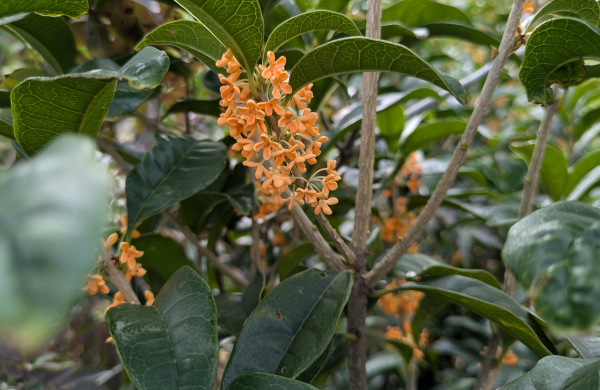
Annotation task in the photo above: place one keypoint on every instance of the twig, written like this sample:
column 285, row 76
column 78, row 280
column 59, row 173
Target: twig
column 117, row 278
column 460, row 153
column 112, row 152
column 489, row 361
column 232, row 272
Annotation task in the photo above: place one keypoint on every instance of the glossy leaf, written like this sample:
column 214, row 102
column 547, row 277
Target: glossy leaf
column 291, row 260
column 173, row 343
column 351, row 55
column 489, row 302
column 237, row 24
column 6, row 128
column 51, row 37
column 260, row 381
column 163, row 256
column 424, row 135
column 190, row 36
column 45, row 203
column 553, row 252
column 203, row 107
column 588, row 10
column 178, row 167
column 71, row 8
column 554, row 167
column 551, row 45
column 307, row 22
column 580, row 169
column 559, row 373
column 291, row 327
column 588, row 346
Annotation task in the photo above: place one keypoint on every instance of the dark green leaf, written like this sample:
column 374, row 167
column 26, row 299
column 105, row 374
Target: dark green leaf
column 311, row 373
column 424, row 135
column 260, row 381
column 253, row 293
column 554, row 253
column 580, row 169
column 351, row 55
column 71, row 8
column 488, row 302
column 230, row 312
column 588, row 346
column 584, row 9
column 241, row 197
column 428, row 306
column 196, row 208
column 4, row 98
column 307, row 22
column 237, row 24
column 291, row 327
column 203, row 107
column 551, row 45
column 163, row 256
column 59, row 196
column 292, row 259
column 178, row 167
column 190, row 36
column 419, row 13
column 559, row 373
column 462, row 31
column 51, row 37
column 554, row 166
column 173, row 343
column 334, row 5
column 6, row 128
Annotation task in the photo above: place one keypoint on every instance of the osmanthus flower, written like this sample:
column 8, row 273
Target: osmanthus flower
column 149, row 297
column 96, row 283
column 111, row 240
column 129, row 255
column 135, row 234
column 281, row 147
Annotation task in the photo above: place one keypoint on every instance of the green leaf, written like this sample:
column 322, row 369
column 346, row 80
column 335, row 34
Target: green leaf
column 59, row 196
column 203, row 107
column 391, row 124
column 190, row 36
column 196, row 208
column 71, row 8
column 419, row 13
column 291, row 327
column 462, row 31
column 588, row 10
column 51, row 37
column 488, row 302
column 291, row 260
column 554, row 167
column 260, row 381
column 559, row 373
column 588, row 346
column 238, row 24
column 6, row 128
column 253, row 293
column 312, row 372
column 426, row 134
column 553, row 252
column 4, row 98
column 580, row 169
column 230, row 312
column 178, row 167
column 163, row 256
column 307, row 22
column 173, row 343
column 351, row 55
column 551, row 45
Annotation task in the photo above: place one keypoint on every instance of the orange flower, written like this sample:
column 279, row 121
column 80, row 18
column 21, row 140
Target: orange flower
column 331, row 168
column 137, row 270
column 129, row 255
column 307, row 121
column 96, row 283
column 251, row 113
column 117, row 300
column 260, row 169
column 246, row 146
column 227, row 56
column 268, row 146
column 135, row 234
column 329, row 183
column 510, row 359
column 149, row 297
column 274, row 69
column 111, row 240
column 527, row 8
column 277, row 179
column 413, row 185
column 281, row 155
column 279, row 85
column 270, row 106
column 287, row 120
column 324, row 205
column 229, row 89
column 303, row 96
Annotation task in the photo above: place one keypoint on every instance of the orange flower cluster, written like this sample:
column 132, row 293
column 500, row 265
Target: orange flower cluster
column 405, row 336
column 278, row 140
column 410, row 172
column 404, row 303
column 527, row 7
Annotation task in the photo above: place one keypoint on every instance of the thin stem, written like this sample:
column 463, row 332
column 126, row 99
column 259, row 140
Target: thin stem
column 117, row 278
column 460, row 153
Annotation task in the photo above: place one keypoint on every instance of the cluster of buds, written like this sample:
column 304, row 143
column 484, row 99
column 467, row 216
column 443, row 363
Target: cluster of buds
column 277, row 139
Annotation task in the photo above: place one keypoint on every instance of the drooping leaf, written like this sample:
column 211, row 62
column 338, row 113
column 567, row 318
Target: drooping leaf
column 489, row 302
column 253, row 293
column 51, row 37
column 59, row 196
column 291, row 260
column 559, row 373
column 307, row 22
column 203, row 107
column 291, row 327
column 391, row 124
column 230, row 312
column 556, row 45
column 554, row 166
column 584, row 9
column 171, row 345
column 71, row 8
column 163, row 256
column 6, row 128
column 553, row 253
column 580, row 169
column 424, row 135
column 190, row 36
column 178, row 167
column 237, row 24
column 351, row 55
column 588, row 346
column 260, row 381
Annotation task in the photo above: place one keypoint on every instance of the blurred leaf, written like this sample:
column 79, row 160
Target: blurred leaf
column 391, row 124
column 462, row 31
column 190, row 36
column 238, row 25
column 291, row 327
column 260, row 381
column 178, row 333
column 307, row 22
column 195, row 209
column 163, row 256
column 6, row 128
column 554, row 166
column 4, row 98
column 11, row 80
column 553, row 252
column 203, row 107
column 178, row 167
column 428, row 133
column 405, row 350
column 351, row 55
column 291, row 260
column 51, row 37
column 551, row 45
column 71, row 8
column 418, row 13
column 488, row 302
column 429, row 305
column 230, row 312
column 588, row 346
column 559, row 373
column 340, row 6
column 253, row 294
column 580, row 169
column 60, row 196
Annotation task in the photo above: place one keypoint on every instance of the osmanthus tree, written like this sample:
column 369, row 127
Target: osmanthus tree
column 305, row 249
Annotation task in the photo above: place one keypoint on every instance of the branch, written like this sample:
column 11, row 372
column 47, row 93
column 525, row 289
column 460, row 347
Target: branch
column 460, row 153
column 118, row 278
column 232, row 272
